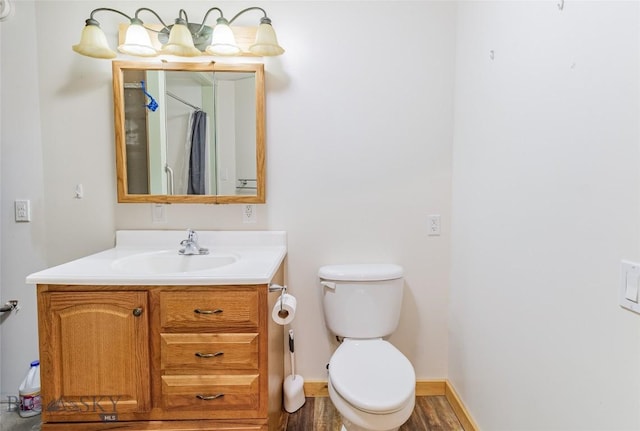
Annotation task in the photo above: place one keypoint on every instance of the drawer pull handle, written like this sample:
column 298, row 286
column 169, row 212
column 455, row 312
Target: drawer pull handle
column 216, row 311
column 209, row 355
column 209, row 397
column 137, row 311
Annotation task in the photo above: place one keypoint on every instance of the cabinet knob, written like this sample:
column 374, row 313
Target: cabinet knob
column 209, row 397
column 137, row 311
column 216, row 311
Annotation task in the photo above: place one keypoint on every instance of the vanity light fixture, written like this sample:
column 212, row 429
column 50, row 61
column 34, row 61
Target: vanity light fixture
column 5, row 9
column 183, row 38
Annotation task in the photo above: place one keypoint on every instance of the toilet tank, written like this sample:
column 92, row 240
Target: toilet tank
column 362, row 300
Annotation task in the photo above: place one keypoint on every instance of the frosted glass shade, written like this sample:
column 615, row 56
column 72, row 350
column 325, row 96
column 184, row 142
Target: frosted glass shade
column 223, row 42
column 93, row 43
column 137, row 42
column 180, row 42
column 266, row 43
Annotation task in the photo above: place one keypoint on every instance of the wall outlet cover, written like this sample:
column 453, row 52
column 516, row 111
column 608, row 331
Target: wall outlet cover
column 158, row 213
column 249, row 214
column 22, row 210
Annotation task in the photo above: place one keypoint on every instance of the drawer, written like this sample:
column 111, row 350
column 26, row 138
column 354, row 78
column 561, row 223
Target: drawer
column 209, row 351
column 212, row 393
column 175, row 425
column 215, row 310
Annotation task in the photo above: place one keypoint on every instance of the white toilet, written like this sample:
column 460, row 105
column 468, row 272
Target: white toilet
column 371, row 383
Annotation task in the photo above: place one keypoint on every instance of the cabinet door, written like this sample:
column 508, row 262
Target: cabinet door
column 94, row 349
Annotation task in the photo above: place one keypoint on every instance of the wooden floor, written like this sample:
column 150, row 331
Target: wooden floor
column 430, row 414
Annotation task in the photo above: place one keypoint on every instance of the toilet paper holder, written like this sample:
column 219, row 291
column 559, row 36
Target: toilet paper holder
column 283, row 289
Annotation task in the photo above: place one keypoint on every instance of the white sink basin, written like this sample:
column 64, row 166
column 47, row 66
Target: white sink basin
column 151, row 258
column 170, row 262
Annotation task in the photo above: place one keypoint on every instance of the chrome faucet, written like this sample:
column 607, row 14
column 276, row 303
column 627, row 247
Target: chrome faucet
column 190, row 245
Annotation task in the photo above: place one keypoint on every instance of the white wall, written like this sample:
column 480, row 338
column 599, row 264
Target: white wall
column 23, row 244
column 359, row 128
column 1, row 200
column 545, row 205
column 359, row 134
column 355, row 161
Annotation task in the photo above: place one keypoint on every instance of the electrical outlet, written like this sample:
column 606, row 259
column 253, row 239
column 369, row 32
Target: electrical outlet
column 433, row 225
column 249, row 214
column 22, row 210
column 158, row 213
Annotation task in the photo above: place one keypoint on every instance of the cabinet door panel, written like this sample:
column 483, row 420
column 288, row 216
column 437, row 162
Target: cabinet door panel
column 95, row 354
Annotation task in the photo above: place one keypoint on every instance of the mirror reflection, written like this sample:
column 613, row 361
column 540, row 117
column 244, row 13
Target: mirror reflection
column 189, row 133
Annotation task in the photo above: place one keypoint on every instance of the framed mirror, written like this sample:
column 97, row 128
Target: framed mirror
column 189, row 132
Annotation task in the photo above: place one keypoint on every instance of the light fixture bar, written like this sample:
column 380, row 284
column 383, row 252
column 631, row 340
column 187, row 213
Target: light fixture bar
column 183, row 38
column 245, row 36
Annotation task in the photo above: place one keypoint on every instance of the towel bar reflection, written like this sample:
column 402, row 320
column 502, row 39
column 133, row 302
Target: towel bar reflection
column 169, row 172
column 246, row 183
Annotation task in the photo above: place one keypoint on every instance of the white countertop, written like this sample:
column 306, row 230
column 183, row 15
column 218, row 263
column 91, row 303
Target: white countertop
column 259, row 255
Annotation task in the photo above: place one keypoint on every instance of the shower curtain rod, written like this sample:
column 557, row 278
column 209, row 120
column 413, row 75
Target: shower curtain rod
column 170, row 94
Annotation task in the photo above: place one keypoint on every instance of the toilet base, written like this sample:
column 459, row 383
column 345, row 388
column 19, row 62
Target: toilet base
column 367, row 421
column 353, row 427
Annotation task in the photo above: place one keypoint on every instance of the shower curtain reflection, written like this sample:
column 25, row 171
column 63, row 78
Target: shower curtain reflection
column 198, row 154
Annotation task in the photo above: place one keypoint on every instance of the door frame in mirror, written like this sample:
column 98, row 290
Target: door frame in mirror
column 124, row 196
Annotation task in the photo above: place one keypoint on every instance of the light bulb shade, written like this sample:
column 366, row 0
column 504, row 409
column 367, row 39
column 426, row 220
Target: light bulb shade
column 180, row 42
column 266, row 43
column 223, row 42
column 137, row 42
column 93, row 43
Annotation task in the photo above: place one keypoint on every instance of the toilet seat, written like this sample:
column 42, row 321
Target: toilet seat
column 372, row 375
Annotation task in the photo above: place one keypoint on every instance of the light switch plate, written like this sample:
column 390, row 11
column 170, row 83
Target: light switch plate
column 629, row 285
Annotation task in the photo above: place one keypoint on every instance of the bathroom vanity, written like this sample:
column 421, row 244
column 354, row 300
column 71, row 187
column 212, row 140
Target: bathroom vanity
column 139, row 337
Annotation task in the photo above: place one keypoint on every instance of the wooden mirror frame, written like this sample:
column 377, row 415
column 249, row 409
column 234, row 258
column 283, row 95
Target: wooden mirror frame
column 120, row 134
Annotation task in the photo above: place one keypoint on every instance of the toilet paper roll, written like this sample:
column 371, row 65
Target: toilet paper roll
column 285, row 309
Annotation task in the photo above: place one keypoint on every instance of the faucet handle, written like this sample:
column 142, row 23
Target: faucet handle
column 192, row 235
column 191, row 245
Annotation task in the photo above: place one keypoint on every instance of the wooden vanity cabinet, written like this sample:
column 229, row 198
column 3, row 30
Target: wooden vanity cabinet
column 180, row 358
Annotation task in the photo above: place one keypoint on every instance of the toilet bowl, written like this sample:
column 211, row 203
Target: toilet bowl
column 371, row 383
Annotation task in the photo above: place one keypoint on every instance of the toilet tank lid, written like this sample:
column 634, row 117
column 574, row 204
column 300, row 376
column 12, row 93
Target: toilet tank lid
column 361, row 272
